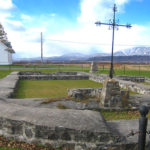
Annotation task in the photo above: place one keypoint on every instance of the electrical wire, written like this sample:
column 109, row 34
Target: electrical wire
column 100, row 44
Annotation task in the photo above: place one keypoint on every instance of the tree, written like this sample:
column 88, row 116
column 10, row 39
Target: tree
column 3, row 37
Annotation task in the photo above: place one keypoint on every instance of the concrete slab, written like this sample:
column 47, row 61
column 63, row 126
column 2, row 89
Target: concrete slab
column 73, row 119
column 8, row 85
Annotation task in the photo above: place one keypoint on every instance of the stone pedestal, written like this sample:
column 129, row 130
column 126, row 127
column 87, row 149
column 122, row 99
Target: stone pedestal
column 94, row 67
column 111, row 94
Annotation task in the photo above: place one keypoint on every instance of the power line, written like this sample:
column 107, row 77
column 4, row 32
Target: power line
column 101, row 44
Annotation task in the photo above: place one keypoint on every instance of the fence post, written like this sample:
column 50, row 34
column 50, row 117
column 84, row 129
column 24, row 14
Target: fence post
column 142, row 127
column 124, row 69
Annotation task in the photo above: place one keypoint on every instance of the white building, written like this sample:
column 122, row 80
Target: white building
column 5, row 54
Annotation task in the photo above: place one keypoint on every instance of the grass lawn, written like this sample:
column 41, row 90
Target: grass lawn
column 50, row 88
column 125, row 115
column 4, row 73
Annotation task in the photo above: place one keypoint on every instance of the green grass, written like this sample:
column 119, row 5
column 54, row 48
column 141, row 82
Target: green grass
column 127, row 72
column 4, row 73
column 51, row 88
column 145, row 83
column 125, row 115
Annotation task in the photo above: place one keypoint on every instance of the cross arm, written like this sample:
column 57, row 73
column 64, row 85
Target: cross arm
column 100, row 23
column 127, row 25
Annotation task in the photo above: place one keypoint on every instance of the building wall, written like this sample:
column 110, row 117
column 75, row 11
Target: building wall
column 5, row 56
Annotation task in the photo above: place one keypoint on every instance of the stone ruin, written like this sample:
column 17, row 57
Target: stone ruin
column 111, row 95
column 94, row 67
column 31, row 121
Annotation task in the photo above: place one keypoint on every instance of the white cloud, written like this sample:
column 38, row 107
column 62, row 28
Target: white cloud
column 93, row 10
column 52, row 14
column 26, row 17
column 14, row 25
column 6, row 4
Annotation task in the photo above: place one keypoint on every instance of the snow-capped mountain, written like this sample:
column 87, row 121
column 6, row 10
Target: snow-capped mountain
column 142, row 51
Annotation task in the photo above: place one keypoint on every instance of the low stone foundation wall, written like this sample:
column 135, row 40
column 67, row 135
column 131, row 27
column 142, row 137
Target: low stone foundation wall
column 84, row 92
column 60, row 75
column 73, row 128
column 132, row 78
column 53, row 77
column 66, row 73
column 135, row 87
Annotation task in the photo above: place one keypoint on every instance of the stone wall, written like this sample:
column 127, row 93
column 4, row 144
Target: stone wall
column 53, row 77
column 74, row 128
column 84, row 92
column 133, row 86
column 61, row 75
column 131, row 78
column 66, row 73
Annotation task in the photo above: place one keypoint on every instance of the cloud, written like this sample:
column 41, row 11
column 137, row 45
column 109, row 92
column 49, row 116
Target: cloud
column 52, row 14
column 26, row 17
column 14, row 25
column 98, row 9
column 6, row 5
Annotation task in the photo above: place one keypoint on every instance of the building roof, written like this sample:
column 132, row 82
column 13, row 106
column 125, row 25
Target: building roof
column 8, row 48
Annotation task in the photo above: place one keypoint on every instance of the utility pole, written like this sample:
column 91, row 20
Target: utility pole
column 41, row 47
column 114, row 25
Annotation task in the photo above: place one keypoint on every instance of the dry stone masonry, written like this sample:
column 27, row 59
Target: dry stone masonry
column 111, row 94
column 76, row 129
column 52, row 76
column 85, row 93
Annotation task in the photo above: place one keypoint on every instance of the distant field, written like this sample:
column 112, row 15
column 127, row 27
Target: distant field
column 119, row 69
column 51, row 88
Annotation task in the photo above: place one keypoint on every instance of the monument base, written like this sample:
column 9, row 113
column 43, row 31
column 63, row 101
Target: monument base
column 111, row 94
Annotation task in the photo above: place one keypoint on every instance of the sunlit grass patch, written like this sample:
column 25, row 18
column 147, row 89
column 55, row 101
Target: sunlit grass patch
column 124, row 115
column 4, row 73
column 50, row 88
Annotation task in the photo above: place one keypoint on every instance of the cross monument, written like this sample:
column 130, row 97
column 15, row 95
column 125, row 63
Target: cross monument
column 114, row 24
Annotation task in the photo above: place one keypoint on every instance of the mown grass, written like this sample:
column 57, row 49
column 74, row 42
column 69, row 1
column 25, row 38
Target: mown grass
column 50, row 88
column 129, row 70
column 124, row 115
column 4, row 73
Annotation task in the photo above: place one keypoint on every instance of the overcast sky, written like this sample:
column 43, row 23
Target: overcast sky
column 68, row 25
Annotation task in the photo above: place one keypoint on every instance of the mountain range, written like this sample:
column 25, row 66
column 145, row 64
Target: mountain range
column 132, row 54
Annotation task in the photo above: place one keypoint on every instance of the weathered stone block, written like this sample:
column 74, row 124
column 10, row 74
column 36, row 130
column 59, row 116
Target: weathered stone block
column 94, row 67
column 84, row 92
column 111, row 95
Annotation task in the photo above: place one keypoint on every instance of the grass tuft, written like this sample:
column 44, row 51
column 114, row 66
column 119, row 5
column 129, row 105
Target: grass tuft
column 61, row 106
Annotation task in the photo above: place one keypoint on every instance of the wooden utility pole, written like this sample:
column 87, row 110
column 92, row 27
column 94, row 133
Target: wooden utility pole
column 114, row 25
column 41, row 47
